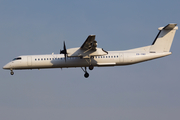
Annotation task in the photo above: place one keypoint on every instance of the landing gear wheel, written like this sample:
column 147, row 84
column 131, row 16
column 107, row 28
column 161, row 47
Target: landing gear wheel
column 12, row 73
column 86, row 75
column 91, row 67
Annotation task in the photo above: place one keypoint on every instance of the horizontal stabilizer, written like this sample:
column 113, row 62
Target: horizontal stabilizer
column 168, row 27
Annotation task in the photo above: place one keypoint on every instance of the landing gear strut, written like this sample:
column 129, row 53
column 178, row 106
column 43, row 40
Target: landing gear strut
column 86, row 74
column 12, row 73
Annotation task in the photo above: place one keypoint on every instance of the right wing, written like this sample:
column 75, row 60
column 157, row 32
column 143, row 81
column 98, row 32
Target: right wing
column 88, row 49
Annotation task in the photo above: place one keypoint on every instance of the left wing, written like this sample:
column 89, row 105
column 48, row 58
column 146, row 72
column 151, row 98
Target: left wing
column 90, row 43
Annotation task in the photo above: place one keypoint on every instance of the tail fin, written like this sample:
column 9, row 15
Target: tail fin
column 163, row 40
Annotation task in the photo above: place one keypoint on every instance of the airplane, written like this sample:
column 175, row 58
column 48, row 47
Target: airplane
column 89, row 55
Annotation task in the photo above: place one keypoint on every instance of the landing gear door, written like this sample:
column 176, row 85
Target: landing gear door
column 29, row 62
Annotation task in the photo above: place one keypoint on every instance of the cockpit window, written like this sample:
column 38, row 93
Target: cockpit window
column 18, row 58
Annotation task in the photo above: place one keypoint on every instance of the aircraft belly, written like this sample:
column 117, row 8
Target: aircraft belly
column 70, row 63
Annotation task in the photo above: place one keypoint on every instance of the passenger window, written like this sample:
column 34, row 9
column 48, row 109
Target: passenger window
column 38, row 59
column 35, row 59
column 41, row 58
column 44, row 58
column 49, row 58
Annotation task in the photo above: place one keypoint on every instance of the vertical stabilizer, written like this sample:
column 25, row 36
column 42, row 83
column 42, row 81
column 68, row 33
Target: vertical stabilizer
column 163, row 40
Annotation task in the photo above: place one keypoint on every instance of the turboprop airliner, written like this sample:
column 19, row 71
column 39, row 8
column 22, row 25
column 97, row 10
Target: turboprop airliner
column 89, row 55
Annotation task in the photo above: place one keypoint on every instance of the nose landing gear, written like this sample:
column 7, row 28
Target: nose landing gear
column 12, row 73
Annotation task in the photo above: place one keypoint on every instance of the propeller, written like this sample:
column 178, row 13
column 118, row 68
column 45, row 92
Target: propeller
column 64, row 51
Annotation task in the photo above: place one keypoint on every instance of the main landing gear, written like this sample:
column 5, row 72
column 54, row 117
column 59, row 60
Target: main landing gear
column 86, row 74
column 12, row 73
column 91, row 67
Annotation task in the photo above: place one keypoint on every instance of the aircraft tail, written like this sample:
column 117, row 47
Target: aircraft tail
column 163, row 40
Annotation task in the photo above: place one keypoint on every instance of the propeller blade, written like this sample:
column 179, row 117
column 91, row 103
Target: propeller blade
column 64, row 51
column 65, row 48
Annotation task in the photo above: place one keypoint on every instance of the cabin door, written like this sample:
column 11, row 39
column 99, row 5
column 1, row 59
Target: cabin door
column 121, row 57
column 29, row 62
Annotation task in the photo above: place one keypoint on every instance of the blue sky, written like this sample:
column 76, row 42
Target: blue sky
column 148, row 90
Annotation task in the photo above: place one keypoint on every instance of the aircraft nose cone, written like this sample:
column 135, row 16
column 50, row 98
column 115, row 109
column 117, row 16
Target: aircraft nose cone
column 6, row 66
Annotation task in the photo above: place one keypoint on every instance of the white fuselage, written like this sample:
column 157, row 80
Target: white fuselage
column 88, row 55
column 113, row 58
